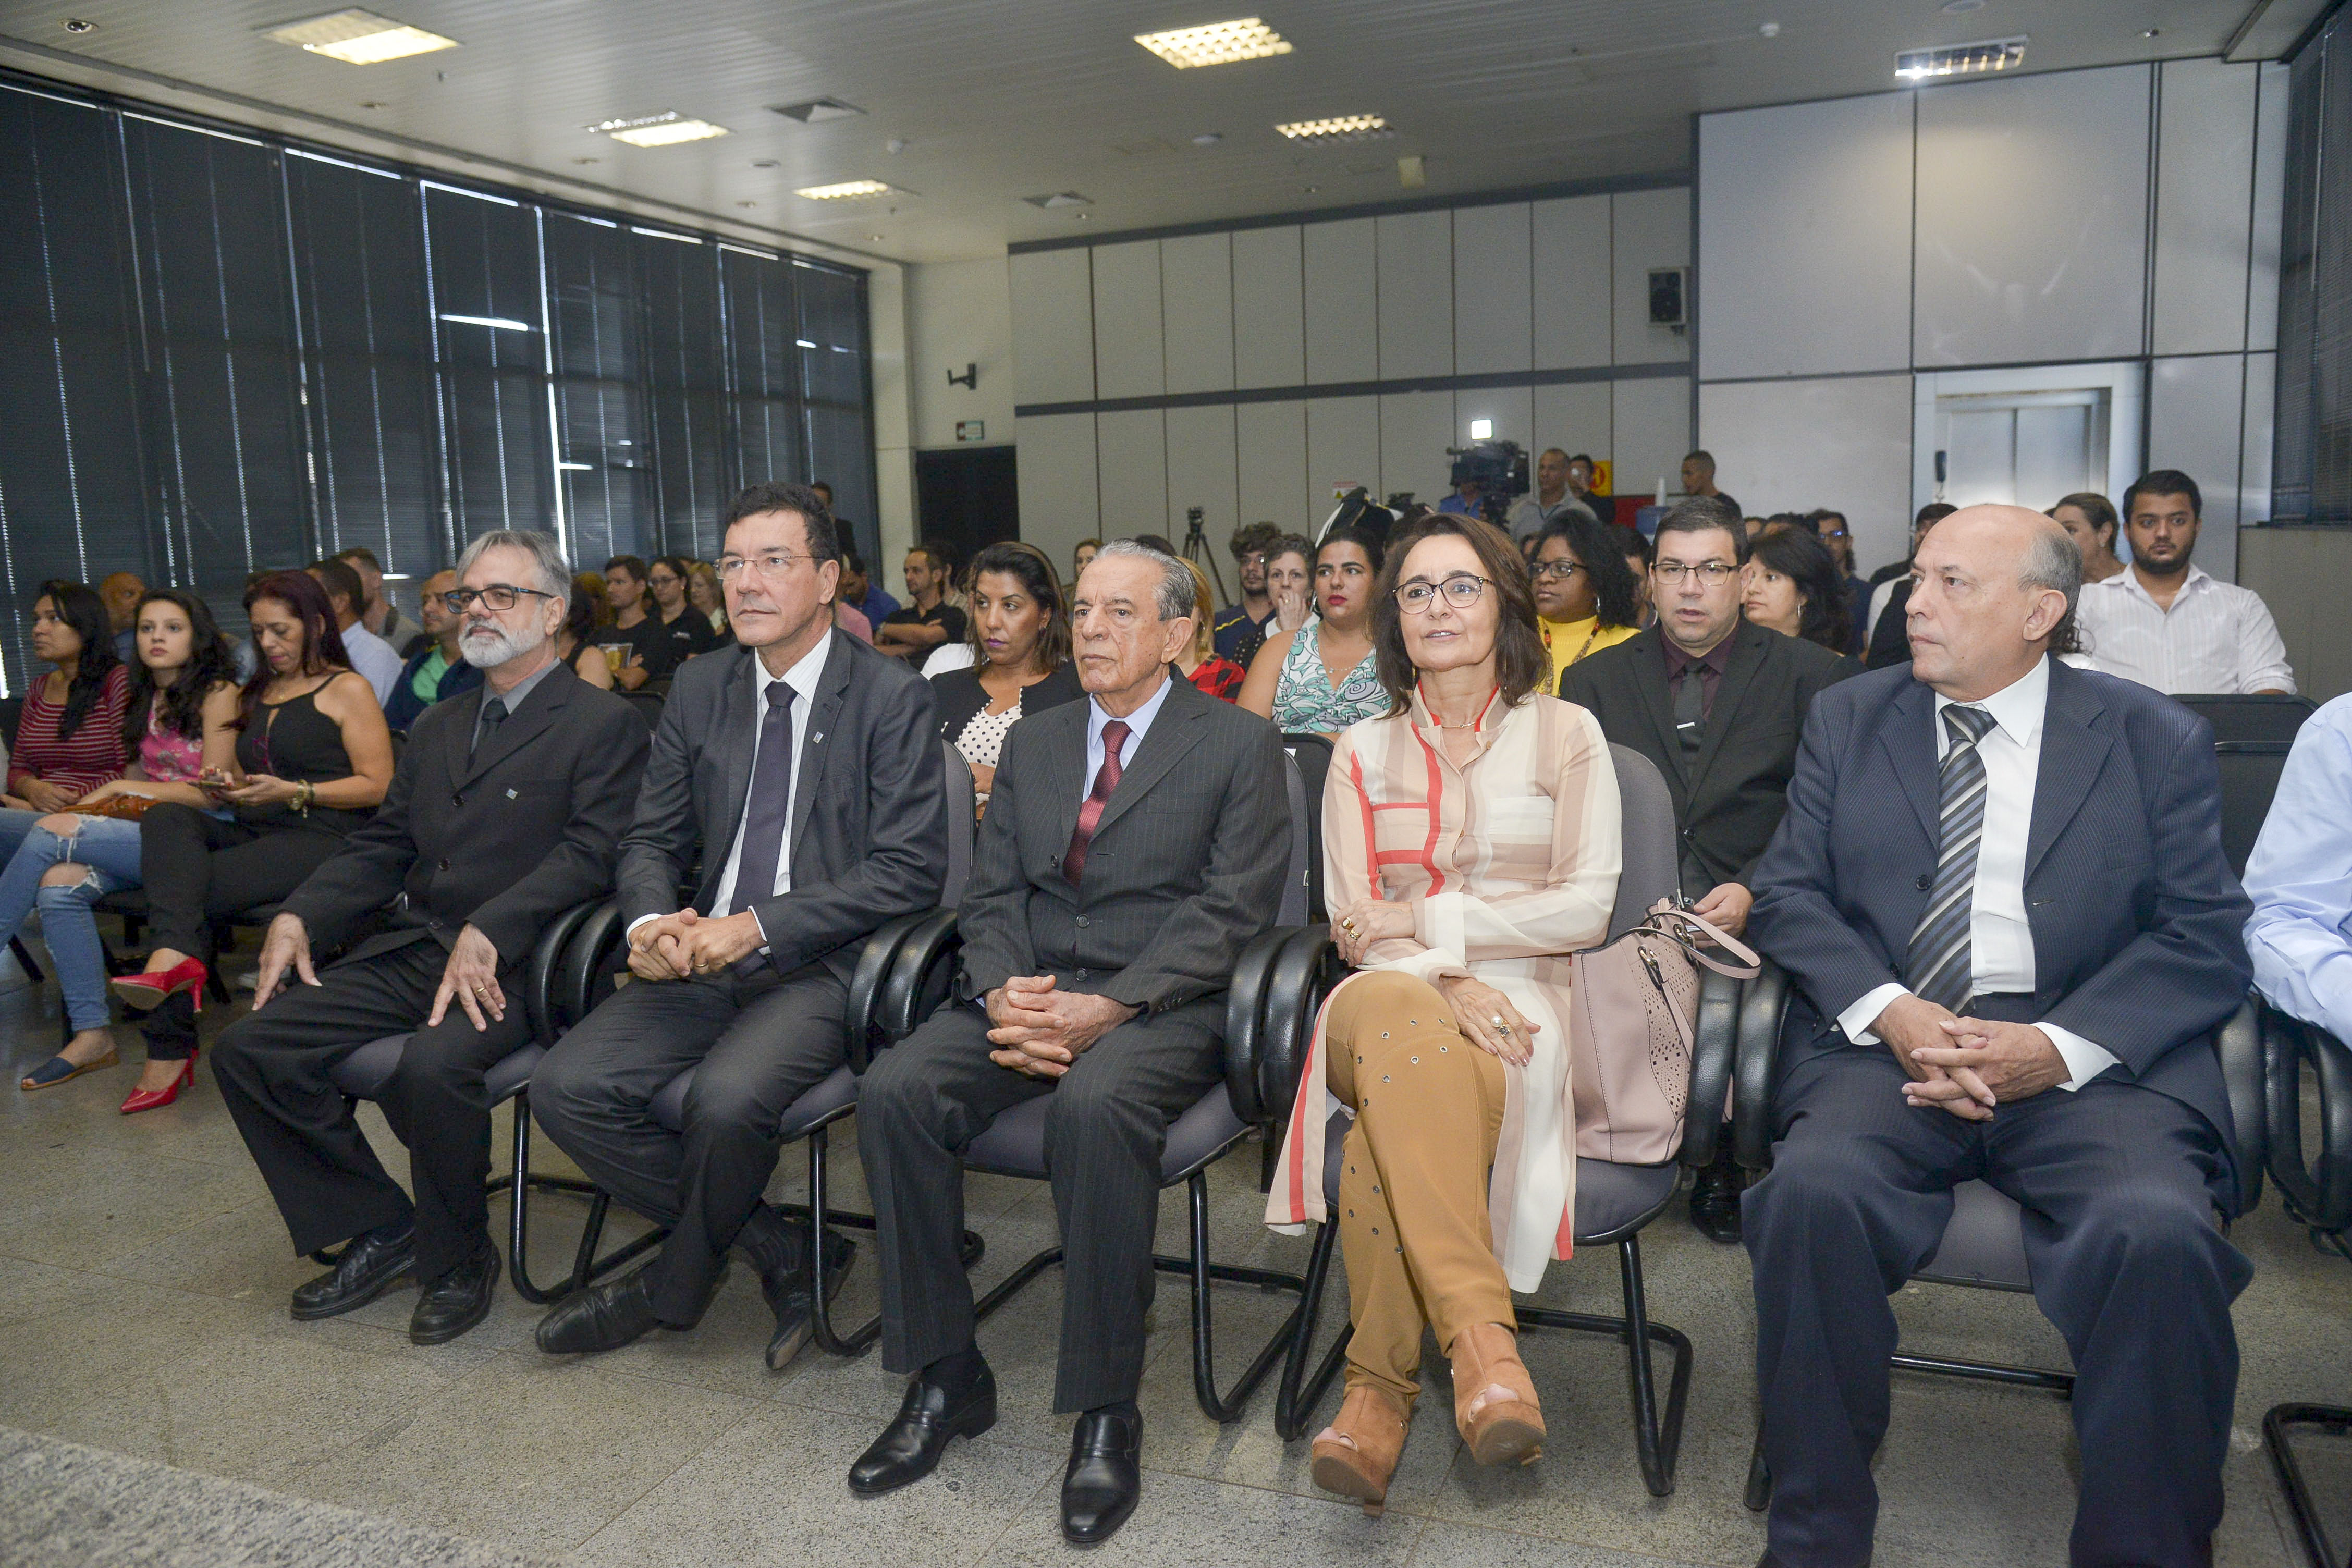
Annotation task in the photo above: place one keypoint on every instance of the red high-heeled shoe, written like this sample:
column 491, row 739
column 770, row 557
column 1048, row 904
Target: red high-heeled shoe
column 153, row 989
column 149, row 1099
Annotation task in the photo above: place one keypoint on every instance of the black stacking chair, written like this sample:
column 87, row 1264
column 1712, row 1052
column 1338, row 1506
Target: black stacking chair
column 1614, row 1202
column 811, row 1117
column 1313, row 755
column 1983, row 1245
column 1014, row 1145
column 649, row 705
column 2317, row 1190
column 2253, row 735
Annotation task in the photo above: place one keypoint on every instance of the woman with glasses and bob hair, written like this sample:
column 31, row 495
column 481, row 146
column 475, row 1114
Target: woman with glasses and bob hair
column 1471, row 841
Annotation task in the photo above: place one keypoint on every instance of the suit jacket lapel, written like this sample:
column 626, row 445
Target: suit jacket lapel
column 1909, row 737
column 736, row 740
column 814, row 746
column 1172, row 734
column 1064, row 770
column 1748, row 649
column 2073, row 752
column 518, row 729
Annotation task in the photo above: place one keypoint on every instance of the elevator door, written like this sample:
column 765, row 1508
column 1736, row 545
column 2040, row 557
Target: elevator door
column 2021, row 448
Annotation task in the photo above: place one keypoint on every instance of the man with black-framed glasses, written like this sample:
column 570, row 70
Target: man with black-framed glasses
column 1717, row 702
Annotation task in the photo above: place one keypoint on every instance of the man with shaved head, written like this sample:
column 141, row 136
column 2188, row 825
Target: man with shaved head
column 2001, row 892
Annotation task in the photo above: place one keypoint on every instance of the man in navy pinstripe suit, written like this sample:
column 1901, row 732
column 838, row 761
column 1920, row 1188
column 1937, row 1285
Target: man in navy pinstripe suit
column 2000, row 889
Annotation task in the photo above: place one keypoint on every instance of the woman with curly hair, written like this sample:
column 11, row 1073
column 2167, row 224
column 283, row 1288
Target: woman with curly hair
column 1586, row 596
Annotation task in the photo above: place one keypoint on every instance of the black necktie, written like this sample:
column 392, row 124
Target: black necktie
column 494, row 713
column 1690, row 711
column 772, row 801
column 1940, row 966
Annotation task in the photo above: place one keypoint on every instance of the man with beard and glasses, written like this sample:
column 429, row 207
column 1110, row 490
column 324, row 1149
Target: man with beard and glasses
column 2165, row 623
column 506, row 809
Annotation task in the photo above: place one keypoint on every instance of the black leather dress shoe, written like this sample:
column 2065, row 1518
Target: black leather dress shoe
column 1715, row 1200
column 603, row 1316
column 367, row 1269
column 788, row 1298
column 1105, row 1478
column 931, row 1413
column 455, row 1301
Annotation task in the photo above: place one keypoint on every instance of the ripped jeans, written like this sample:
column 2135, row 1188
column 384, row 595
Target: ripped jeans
column 109, row 849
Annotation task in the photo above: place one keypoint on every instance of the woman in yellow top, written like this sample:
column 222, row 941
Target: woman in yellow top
column 1586, row 596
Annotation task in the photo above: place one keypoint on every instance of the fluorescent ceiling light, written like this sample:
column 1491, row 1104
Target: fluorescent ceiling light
column 1060, row 199
column 1216, row 44
column 657, row 130
column 1961, row 59
column 818, row 111
column 504, row 323
column 570, row 467
column 359, row 37
column 1482, row 430
column 847, row 190
column 1340, row 128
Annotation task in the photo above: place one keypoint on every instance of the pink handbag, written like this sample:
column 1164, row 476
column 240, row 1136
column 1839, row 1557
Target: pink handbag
column 1633, row 1005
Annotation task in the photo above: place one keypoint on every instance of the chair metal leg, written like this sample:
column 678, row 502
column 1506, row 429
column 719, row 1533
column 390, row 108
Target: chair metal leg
column 2278, row 1423
column 1657, row 1439
column 519, row 1183
column 1295, row 1396
column 24, row 956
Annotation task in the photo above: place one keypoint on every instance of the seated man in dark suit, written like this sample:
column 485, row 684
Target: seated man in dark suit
column 2000, row 889
column 1717, row 701
column 1134, row 843
column 808, row 767
column 506, row 810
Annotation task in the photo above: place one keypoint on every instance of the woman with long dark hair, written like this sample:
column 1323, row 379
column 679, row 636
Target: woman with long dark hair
column 1021, row 647
column 181, row 721
column 1586, row 597
column 69, row 738
column 1321, row 678
column 1794, row 587
column 313, row 758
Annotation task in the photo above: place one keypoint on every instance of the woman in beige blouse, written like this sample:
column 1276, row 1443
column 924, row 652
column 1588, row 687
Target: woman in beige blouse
column 1471, row 841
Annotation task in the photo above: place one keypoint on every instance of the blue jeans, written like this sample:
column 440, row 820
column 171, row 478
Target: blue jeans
column 111, row 849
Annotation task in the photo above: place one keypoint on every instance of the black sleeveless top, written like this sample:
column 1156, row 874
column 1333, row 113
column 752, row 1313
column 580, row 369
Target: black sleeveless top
column 294, row 741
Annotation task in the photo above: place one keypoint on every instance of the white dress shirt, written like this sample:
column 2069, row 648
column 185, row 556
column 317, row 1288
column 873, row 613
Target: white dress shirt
column 2001, row 942
column 1136, row 723
column 2216, row 638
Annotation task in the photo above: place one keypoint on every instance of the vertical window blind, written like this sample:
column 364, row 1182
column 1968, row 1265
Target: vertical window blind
column 226, row 351
column 2312, row 473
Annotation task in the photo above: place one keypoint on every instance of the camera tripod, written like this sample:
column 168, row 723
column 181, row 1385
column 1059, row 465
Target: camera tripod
column 1198, row 552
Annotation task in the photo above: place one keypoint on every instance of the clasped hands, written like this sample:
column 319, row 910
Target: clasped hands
column 688, row 943
column 1967, row 1066
column 1041, row 1030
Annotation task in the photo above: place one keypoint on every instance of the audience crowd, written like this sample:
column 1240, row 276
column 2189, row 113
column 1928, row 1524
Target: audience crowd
column 752, row 756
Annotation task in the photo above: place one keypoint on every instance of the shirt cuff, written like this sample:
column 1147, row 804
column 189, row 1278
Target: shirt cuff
column 758, row 926
column 1858, row 1019
column 2083, row 1059
column 635, row 923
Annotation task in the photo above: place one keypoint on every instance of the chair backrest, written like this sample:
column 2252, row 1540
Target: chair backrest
column 2257, row 717
column 961, row 828
column 1311, row 755
column 648, row 706
column 1650, row 870
column 2250, row 777
column 1294, row 900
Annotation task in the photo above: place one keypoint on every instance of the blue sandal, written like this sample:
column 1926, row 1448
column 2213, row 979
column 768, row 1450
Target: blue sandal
column 57, row 1070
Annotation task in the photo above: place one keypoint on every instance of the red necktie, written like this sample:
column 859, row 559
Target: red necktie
column 1074, row 863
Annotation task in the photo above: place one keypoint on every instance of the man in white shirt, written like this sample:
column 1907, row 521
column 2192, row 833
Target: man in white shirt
column 2165, row 623
column 366, row 652
column 809, row 768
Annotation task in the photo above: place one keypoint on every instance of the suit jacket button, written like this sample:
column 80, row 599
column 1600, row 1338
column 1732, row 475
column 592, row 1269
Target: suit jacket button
column 1924, row 881
column 457, row 800
column 1082, row 922
column 444, row 866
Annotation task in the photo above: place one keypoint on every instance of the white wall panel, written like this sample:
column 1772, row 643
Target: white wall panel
column 1053, row 326
column 1059, row 504
column 1791, row 445
column 2254, row 449
column 1648, row 229
column 1200, row 471
column 958, row 313
column 1416, row 294
column 2194, row 423
column 1512, row 409
column 1804, row 235
column 1269, row 309
column 2204, row 182
column 1270, row 457
column 1343, row 448
column 1574, row 417
column 1196, row 293
column 2032, row 204
column 1342, row 309
column 1649, row 424
column 1493, row 295
column 1416, row 427
column 2270, row 207
column 1573, row 312
column 1133, row 448
column 1129, row 359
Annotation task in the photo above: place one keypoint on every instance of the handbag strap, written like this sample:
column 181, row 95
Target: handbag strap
column 1660, row 922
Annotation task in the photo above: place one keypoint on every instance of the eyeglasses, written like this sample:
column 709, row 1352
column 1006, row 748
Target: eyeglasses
column 1711, row 573
column 1461, row 590
column 498, row 598
column 1563, row 570
column 772, row 565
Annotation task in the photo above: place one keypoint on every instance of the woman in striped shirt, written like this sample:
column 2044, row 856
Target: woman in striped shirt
column 69, row 739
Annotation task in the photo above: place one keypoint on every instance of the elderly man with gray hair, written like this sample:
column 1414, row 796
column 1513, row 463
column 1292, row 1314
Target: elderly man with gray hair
column 1134, row 843
column 506, row 809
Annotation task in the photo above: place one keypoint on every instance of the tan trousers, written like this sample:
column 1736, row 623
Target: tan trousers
column 1413, row 1178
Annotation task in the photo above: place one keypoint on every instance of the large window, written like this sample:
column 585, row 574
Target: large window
column 221, row 351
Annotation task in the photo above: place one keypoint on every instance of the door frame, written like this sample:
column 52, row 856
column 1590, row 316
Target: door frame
column 2124, row 381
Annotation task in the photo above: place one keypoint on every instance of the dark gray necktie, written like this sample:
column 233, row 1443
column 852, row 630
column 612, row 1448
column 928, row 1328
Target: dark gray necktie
column 1690, row 712
column 494, row 713
column 1940, row 967
column 770, row 815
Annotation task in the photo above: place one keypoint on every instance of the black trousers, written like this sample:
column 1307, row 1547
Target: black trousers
column 924, row 1101
column 2118, row 1187
column 760, row 1041
column 274, row 1066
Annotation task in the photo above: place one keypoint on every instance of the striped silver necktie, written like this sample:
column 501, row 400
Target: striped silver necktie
column 1939, row 968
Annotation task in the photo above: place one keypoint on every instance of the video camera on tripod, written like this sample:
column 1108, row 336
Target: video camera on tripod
column 1498, row 468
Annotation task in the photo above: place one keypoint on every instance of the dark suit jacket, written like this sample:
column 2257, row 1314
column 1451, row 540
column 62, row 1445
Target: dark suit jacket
column 1738, row 784
column 1185, row 867
column 504, row 840
column 2137, row 918
column 869, row 831
column 1890, row 639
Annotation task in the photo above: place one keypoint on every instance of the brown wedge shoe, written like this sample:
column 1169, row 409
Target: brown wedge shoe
column 1357, row 1454
column 1506, row 1423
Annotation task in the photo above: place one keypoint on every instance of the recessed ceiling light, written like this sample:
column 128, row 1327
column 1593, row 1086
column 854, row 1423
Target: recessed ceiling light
column 662, row 130
column 1339, row 128
column 1059, row 199
column 1207, row 139
column 2150, row 32
column 763, row 163
column 373, row 103
column 896, row 144
column 1961, row 59
column 876, row 238
column 847, row 190
column 1215, row 43
column 76, row 26
column 1310, row 190
column 816, row 110
column 1768, row 30
column 359, row 37
column 747, row 204
column 587, row 160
